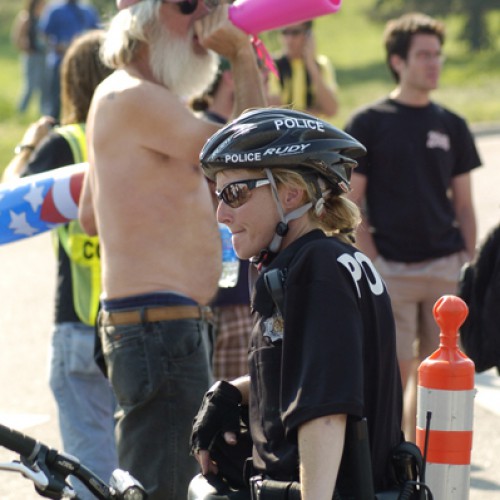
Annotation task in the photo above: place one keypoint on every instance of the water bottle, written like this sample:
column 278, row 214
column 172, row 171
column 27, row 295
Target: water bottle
column 230, row 261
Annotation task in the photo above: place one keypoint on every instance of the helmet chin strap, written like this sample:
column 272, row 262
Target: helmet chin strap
column 282, row 226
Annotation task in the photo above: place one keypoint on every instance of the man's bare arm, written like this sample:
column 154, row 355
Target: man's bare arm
column 326, row 101
column 249, row 85
column 461, row 187
column 17, row 165
column 86, row 206
column 31, row 139
column 364, row 238
column 248, row 82
column 326, row 98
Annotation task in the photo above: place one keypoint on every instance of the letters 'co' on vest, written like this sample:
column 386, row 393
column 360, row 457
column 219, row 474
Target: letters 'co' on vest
column 81, row 249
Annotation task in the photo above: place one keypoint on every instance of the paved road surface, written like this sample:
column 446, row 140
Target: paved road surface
column 27, row 284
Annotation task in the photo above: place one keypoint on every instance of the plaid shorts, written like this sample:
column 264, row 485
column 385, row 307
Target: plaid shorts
column 233, row 326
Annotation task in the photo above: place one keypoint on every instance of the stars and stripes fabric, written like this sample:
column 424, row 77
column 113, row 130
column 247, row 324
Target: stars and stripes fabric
column 38, row 203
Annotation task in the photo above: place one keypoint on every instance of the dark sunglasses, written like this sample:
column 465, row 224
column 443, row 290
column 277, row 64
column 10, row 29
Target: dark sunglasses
column 235, row 194
column 294, row 31
column 187, row 7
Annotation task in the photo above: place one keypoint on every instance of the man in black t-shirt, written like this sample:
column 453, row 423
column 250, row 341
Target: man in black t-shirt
column 414, row 187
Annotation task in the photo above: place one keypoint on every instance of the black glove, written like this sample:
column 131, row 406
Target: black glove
column 219, row 412
column 231, row 459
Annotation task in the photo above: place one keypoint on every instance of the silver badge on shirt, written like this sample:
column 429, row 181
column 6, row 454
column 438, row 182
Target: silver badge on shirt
column 273, row 328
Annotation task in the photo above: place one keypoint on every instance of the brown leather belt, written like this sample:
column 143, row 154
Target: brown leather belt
column 153, row 314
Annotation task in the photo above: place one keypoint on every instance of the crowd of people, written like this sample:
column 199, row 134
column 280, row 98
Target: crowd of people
column 42, row 32
column 345, row 238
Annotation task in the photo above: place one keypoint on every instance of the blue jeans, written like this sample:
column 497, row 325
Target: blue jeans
column 160, row 372
column 51, row 103
column 85, row 401
column 33, row 68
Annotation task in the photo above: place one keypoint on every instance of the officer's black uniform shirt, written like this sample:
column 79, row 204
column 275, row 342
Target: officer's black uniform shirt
column 336, row 354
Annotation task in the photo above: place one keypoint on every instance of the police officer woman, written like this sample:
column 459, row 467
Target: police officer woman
column 323, row 347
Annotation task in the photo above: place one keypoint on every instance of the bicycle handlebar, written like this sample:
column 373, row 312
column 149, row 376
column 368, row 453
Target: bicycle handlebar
column 18, row 442
column 48, row 469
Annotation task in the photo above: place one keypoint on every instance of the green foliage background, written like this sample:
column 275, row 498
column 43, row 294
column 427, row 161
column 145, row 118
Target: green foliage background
column 351, row 38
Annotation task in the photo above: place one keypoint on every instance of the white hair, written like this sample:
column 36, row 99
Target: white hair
column 172, row 60
column 126, row 29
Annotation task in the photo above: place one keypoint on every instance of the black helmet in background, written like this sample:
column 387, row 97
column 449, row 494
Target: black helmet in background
column 283, row 138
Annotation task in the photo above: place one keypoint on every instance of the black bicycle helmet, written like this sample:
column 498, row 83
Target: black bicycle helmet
column 283, row 138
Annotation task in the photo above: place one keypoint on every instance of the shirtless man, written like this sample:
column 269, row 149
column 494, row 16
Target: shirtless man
column 147, row 198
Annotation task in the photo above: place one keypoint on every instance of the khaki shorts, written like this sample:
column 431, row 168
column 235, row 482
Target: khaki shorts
column 414, row 289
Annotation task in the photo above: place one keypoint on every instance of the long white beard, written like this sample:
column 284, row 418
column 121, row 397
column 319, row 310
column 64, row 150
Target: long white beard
column 175, row 64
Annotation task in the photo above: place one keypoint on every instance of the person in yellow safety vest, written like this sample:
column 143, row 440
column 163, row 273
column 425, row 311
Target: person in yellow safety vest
column 82, row 249
column 306, row 79
column 84, row 397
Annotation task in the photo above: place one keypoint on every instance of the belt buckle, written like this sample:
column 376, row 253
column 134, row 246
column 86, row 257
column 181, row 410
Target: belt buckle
column 206, row 313
column 103, row 318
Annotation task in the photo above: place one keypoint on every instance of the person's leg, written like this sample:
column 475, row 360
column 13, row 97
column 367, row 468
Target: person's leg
column 405, row 318
column 160, row 372
column 404, row 295
column 51, row 102
column 27, row 82
column 443, row 278
column 439, row 277
column 45, row 102
column 85, row 402
column 406, row 287
column 56, row 94
column 410, row 402
column 39, row 78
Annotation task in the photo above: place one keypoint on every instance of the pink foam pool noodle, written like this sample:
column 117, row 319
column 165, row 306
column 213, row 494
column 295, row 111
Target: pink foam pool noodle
column 255, row 16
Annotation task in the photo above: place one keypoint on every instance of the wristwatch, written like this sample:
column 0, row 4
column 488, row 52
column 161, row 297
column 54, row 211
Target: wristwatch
column 21, row 147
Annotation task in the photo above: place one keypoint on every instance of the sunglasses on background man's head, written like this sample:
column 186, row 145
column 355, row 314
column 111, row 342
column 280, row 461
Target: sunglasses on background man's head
column 187, row 7
column 294, row 31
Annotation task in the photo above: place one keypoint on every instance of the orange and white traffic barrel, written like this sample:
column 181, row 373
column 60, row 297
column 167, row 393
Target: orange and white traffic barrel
column 446, row 400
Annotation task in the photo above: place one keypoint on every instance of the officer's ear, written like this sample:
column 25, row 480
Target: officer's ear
column 292, row 197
